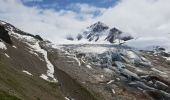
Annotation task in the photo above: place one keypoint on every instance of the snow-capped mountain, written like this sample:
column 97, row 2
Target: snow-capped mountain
column 101, row 32
column 32, row 68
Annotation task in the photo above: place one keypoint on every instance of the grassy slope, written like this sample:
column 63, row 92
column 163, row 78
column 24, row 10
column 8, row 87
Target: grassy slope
column 16, row 85
column 6, row 96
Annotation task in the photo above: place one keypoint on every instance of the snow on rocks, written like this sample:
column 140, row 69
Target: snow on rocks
column 113, row 91
column 43, row 76
column 111, row 81
column 88, row 66
column 133, row 56
column 3, row 46
column 2, row 23
column 69, row 98
column 26, row 72
column 50, row 72
column 35, row 47
column 73, row 56
column 160, row 72
column 168, row 58
column 7, row 55
column 14, row 46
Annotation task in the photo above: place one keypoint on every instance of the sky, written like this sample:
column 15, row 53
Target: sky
column 54, row 19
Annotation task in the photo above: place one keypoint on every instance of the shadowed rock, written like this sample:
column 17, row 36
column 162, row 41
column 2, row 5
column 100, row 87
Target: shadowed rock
column 4, row 35
column 113, row 34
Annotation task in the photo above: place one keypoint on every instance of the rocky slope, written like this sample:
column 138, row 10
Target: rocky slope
column 32, row 68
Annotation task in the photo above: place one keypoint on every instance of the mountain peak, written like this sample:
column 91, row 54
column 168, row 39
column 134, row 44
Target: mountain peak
column 98, row 27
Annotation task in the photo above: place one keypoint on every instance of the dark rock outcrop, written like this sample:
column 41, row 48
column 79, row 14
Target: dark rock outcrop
column 98, row 27
column 4, row 35
column 113, row 34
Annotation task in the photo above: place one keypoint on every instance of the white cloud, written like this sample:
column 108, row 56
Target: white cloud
column 142, row 18
column 85, row 8
column 49, row 23
column 145, row 19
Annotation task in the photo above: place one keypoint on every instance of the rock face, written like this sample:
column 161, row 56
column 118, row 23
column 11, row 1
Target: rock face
column 4, row 35
column 94, row 32
column 34, row 69
column 98, row 27
column 100, row 32
column 113, row 34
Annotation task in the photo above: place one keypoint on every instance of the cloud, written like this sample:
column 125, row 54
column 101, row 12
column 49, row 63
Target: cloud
column 141, row 18
column 145, row 19
column 84, row 8
column 49, row 23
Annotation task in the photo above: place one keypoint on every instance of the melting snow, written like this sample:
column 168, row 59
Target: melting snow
column 111, row 81
column 7, row 55
column 113, row 91
column 3, row 46
column 78, row 61
column 32, row 52
column 28, row 73
column 73, row 56
column 45, row 77
column 34, row 44
column 14, row 46
column 68, row 98
column 50, row 71
column 88, row 66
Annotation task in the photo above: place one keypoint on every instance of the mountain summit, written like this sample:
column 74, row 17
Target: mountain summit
column 101, row 32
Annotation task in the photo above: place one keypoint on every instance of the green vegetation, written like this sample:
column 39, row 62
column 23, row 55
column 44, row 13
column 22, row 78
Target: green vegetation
column 5, row 96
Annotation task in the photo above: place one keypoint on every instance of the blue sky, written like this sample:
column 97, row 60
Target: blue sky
column 73, row 5
column 63, row 4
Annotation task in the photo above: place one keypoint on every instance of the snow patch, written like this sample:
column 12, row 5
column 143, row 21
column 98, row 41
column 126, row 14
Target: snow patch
column 88, row 66
column 111, row 81
column 50, row 71
column 33, row 53
column 68, row 98
column 75, row 58
column 34, row 44
column 167, row 58
column 3, row 46
column 113, row 91
column 14, row 46
column 45, row 77
column 26, row 72
column 7, row 55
